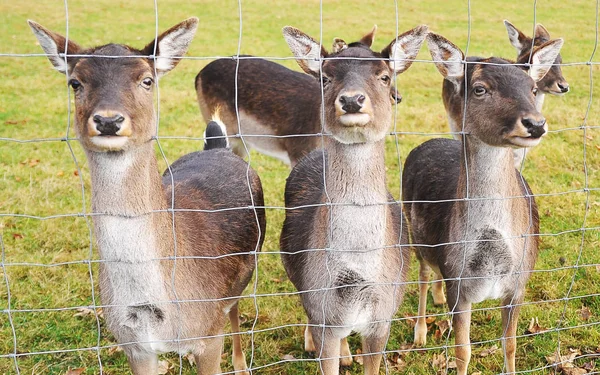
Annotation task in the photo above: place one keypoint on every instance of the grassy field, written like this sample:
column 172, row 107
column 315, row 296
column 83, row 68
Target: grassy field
column 45, row 236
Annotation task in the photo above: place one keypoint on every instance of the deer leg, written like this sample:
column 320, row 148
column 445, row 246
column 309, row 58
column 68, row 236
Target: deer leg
column 461, row 323
column 209, row 361
column 437, row 290
column 309, row 344
column 374, row 345
column 239, row 359
column 421, row 325
column 143, row 365
column 327, row 347
column 345, row 354
column 510, row 317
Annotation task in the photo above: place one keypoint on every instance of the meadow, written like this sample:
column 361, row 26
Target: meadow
column 48, row 281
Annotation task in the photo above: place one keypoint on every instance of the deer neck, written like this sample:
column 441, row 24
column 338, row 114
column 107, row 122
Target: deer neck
column 126, row 183
column 355, row 173
column 126, row 193
column 539, row 101
column 488, row 179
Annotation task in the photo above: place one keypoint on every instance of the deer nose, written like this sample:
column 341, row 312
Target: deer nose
column 352, row 104
column 563, row 87
column 534, row 127
column 108, row 125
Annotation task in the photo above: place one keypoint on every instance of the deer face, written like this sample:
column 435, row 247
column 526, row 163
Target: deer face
column 356, row 81
column 500, row 97
column 553, row 82
column 113, row 85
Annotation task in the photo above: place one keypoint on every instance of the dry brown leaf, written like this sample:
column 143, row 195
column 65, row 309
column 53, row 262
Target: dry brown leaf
column 191, row 359
column 407, row 346
column 288, row 357
column 452, row 364
column 430, row 319
column 114, row 349
column 85, row 311
column 563, row 362
column 438, row 361
column 75, row 173
column 488, row 351
column 17, row 236
column 585, row 313
column 574, row 371
column 437, row 335
column 359, row 358
column 443, row 325
column 17, row 178
column 33, row 163
column 589, row 366
column 75, row 371
column 534, row 327
column 410, row 320
column 395, row 360
column 164, row 367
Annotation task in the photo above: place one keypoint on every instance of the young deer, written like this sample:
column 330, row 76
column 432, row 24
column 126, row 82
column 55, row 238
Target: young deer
column 337, row 202
column 279, row 109
column 481, row 235
column 167, row 278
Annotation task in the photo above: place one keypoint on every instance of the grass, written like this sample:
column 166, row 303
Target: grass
column 46, row 240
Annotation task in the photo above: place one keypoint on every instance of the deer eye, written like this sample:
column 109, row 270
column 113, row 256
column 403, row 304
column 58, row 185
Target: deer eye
column 535, row 91
column 75, row 84
column 385, row 78
column 479, row 90
column 325, row 80
column 147, row 83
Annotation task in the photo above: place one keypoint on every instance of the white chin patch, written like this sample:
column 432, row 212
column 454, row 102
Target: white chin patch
column 110, row 142
column 354, row 119
column 519, row 142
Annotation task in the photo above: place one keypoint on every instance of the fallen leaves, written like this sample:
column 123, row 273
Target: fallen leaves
column 566, row 363
column 164, row 367
column 440, row 363
column 488, row 351
column 442, row 327
column 535, row 327
column 75, row 371
column 585, row 313
column 86, row 311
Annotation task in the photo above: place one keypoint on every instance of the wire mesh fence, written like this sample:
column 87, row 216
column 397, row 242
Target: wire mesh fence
column 51, row 310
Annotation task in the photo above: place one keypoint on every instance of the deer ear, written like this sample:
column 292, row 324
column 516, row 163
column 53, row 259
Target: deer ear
column 171, row 45
column 541, row 32
column 404, row 49
column 516, row 37
column 369, row 38
column 338, row 45
column 307, row 51
column 54, row 44
column 447, row 57
column 543, row 57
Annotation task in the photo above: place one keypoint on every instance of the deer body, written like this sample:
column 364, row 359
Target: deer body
column 343, row 236
column 168, row 278
column 472, row 217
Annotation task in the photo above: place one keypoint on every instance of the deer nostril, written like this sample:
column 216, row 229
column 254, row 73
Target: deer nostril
column 108, row 125
column 534, row 127
column 563, row 87
column 343, row 99
column 360, row 99
column 352, row 104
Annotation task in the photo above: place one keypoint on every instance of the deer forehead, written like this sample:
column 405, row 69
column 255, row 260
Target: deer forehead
column 360, row 60
column 503, row 77
column 113, row 63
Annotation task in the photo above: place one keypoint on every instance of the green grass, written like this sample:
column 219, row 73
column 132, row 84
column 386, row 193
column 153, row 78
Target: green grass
column 45, row 256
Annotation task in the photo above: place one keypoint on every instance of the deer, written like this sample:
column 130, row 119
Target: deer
column 553, row 83
column 176, row 251
column 275, row 109
column 343, row 243
column 472, row 216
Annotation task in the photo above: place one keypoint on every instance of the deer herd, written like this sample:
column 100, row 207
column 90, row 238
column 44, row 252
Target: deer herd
column 178, row 249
